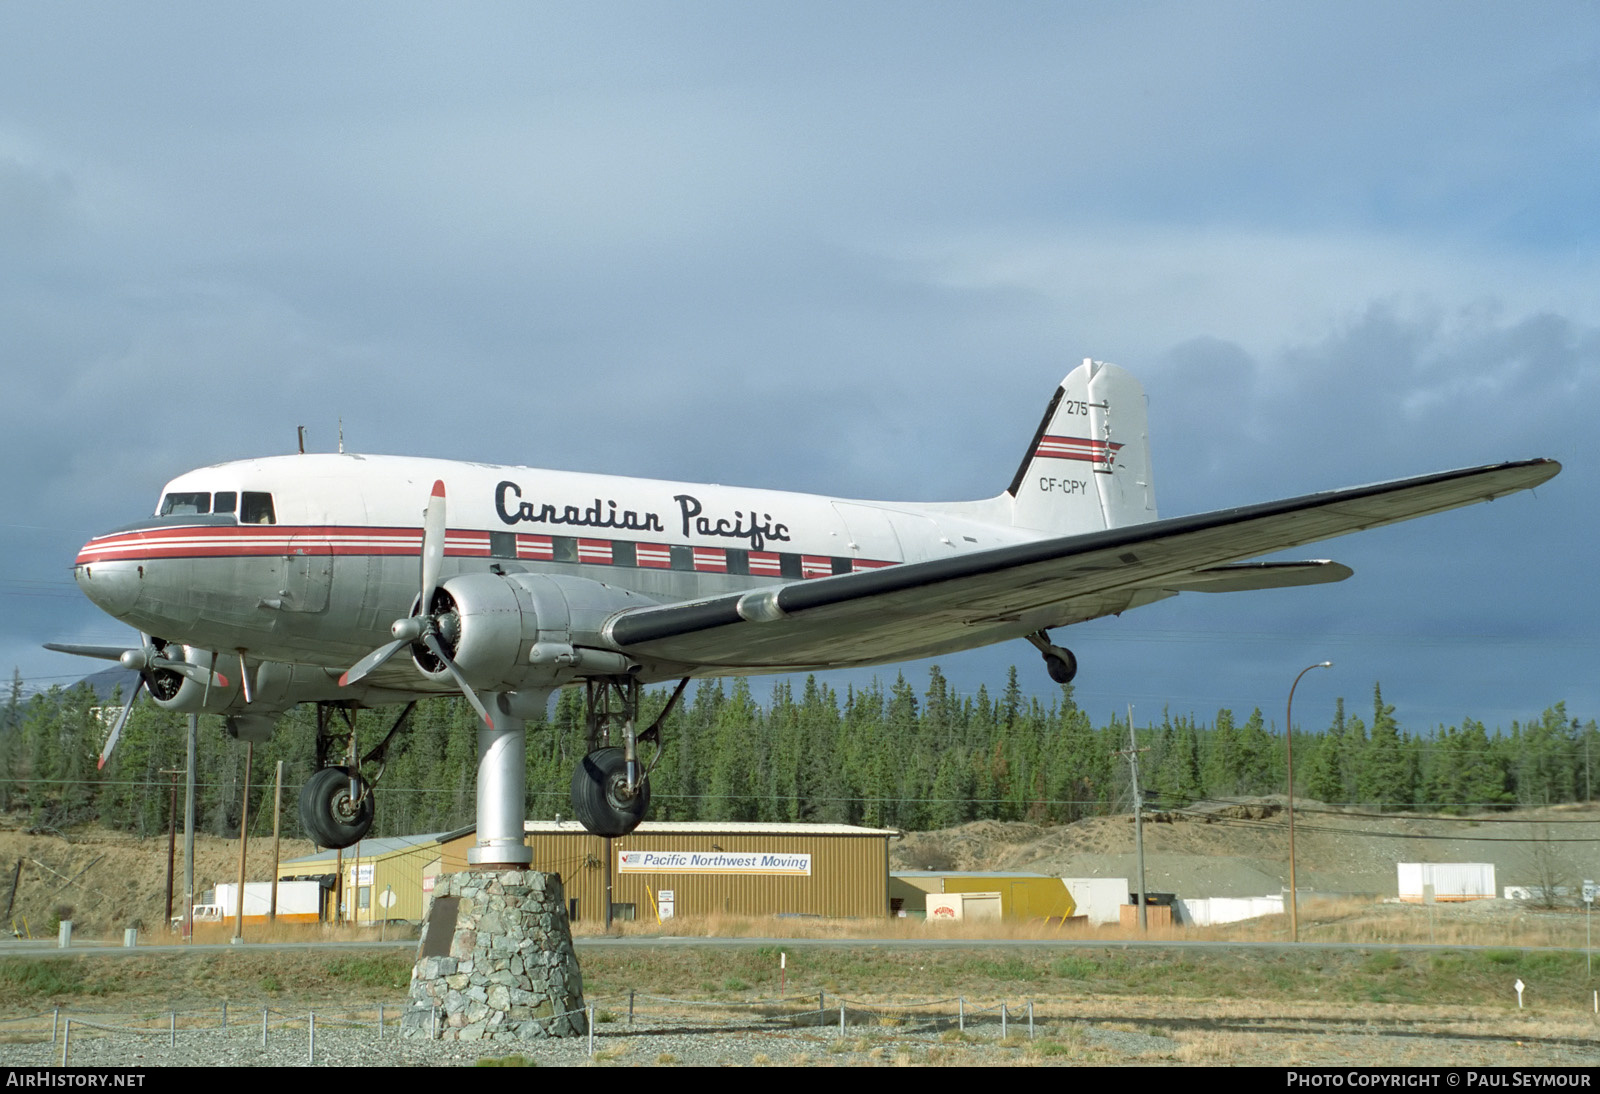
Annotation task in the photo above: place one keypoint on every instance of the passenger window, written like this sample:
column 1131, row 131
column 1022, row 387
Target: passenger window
column 185, row 505
column 225, row 501
column 256, row 509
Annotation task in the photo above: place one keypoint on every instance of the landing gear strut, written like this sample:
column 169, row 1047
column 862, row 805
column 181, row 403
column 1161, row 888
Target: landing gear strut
column 1058, row 660
column 336, row 806
column 611, row 788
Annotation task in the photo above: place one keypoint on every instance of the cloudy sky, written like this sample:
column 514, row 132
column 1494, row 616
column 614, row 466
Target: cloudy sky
column 847, row 248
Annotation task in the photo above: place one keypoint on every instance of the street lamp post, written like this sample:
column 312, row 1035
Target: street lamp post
column 1288, row 749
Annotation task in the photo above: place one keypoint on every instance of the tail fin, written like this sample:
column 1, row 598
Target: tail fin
column 1088, row 468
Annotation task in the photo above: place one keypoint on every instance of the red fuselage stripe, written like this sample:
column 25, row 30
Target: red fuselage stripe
column 257, row 541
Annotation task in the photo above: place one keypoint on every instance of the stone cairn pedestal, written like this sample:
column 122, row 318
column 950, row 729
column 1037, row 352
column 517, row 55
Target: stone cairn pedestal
column 496, row 961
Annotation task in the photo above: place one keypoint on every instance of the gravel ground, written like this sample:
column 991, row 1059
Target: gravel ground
column 672, row 1041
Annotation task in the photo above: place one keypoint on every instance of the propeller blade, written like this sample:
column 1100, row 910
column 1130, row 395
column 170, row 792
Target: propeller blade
column 371, row 661
column 433, row 533
column 431, row 640
column 107, row 653
column 122, row 720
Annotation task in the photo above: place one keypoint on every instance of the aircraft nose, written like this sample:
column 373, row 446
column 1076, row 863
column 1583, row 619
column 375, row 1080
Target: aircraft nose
column 113, row 584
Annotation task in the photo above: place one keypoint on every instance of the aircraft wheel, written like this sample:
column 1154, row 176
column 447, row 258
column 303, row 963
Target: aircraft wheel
column 600, row 798
column 328, row 814
column 1062, row 665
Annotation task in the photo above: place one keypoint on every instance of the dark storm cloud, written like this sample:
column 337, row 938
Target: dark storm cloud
column 846, row 248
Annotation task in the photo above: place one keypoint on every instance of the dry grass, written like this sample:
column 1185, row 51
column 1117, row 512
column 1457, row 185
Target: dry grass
column 1485, row 923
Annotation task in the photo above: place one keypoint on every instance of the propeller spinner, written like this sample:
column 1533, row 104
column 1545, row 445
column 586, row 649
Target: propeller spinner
column 432, row 615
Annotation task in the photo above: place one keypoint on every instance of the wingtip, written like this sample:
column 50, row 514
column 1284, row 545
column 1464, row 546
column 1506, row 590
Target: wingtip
column 438, row 488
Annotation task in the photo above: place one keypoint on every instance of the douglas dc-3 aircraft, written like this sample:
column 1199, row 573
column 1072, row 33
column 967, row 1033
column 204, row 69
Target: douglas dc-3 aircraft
column 264, row 583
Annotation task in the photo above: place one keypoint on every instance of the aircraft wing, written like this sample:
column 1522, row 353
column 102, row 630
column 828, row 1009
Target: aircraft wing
column 928, row 608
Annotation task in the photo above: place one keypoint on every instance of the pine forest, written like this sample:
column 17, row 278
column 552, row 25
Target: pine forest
column 876, row 755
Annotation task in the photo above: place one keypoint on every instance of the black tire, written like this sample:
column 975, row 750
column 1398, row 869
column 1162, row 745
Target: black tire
column 326, row 812
column 1062, row 665
column 597, row 798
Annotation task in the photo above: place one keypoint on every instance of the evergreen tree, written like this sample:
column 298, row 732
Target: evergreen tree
column 1385, row 776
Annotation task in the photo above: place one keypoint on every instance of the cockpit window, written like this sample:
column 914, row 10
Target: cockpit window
column 226, row 501
column 184, row 505
column 256, row 509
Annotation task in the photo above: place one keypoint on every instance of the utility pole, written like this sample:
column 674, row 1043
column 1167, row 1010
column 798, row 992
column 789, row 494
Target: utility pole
column 172, row 836
column 1138, row 818
column 188, row 832
column 244, row 839
column 277, row 815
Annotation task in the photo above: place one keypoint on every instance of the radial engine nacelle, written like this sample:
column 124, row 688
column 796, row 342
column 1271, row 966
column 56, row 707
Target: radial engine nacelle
column 515, row 631
column 208, row 691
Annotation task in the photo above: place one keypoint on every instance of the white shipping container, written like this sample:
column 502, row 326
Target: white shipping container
column 1099, row 898
column 1450, row 880
column 1209, row 911
column 954, row 907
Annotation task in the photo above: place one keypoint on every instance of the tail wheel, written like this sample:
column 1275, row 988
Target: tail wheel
column 1061, row 664
column 329, row 814
column 600, row 798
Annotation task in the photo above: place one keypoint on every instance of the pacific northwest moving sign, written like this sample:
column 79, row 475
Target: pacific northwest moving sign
column 713, row 862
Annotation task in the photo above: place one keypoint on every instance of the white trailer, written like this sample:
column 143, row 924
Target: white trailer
column 1450, row 880
column 298, row 901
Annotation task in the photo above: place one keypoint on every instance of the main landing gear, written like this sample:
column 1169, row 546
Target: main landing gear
column 1058, row 660
column 336, row 807
column 611, row 787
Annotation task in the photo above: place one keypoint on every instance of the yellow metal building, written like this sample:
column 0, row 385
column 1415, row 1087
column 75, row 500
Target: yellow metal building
column 1022, row 896
column 379, row 879
column 704, row 868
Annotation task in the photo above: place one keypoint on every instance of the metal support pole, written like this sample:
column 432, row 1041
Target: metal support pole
column 502, row 793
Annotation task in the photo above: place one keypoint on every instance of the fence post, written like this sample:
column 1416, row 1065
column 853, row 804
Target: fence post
column 1030, row 1019
column 311, row 1041
column 224, row 1014
column 841, row 1019
column 589, row 1013
column 55, row 1024
column 380, row 1021
column 961, row 1013
column 66, row 1035
column 1002, row 1021
column 630, row 1006
column 263, row 1028
column 172, row 1028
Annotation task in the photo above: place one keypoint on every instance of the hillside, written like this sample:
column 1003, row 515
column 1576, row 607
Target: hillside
column 1241, row 848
